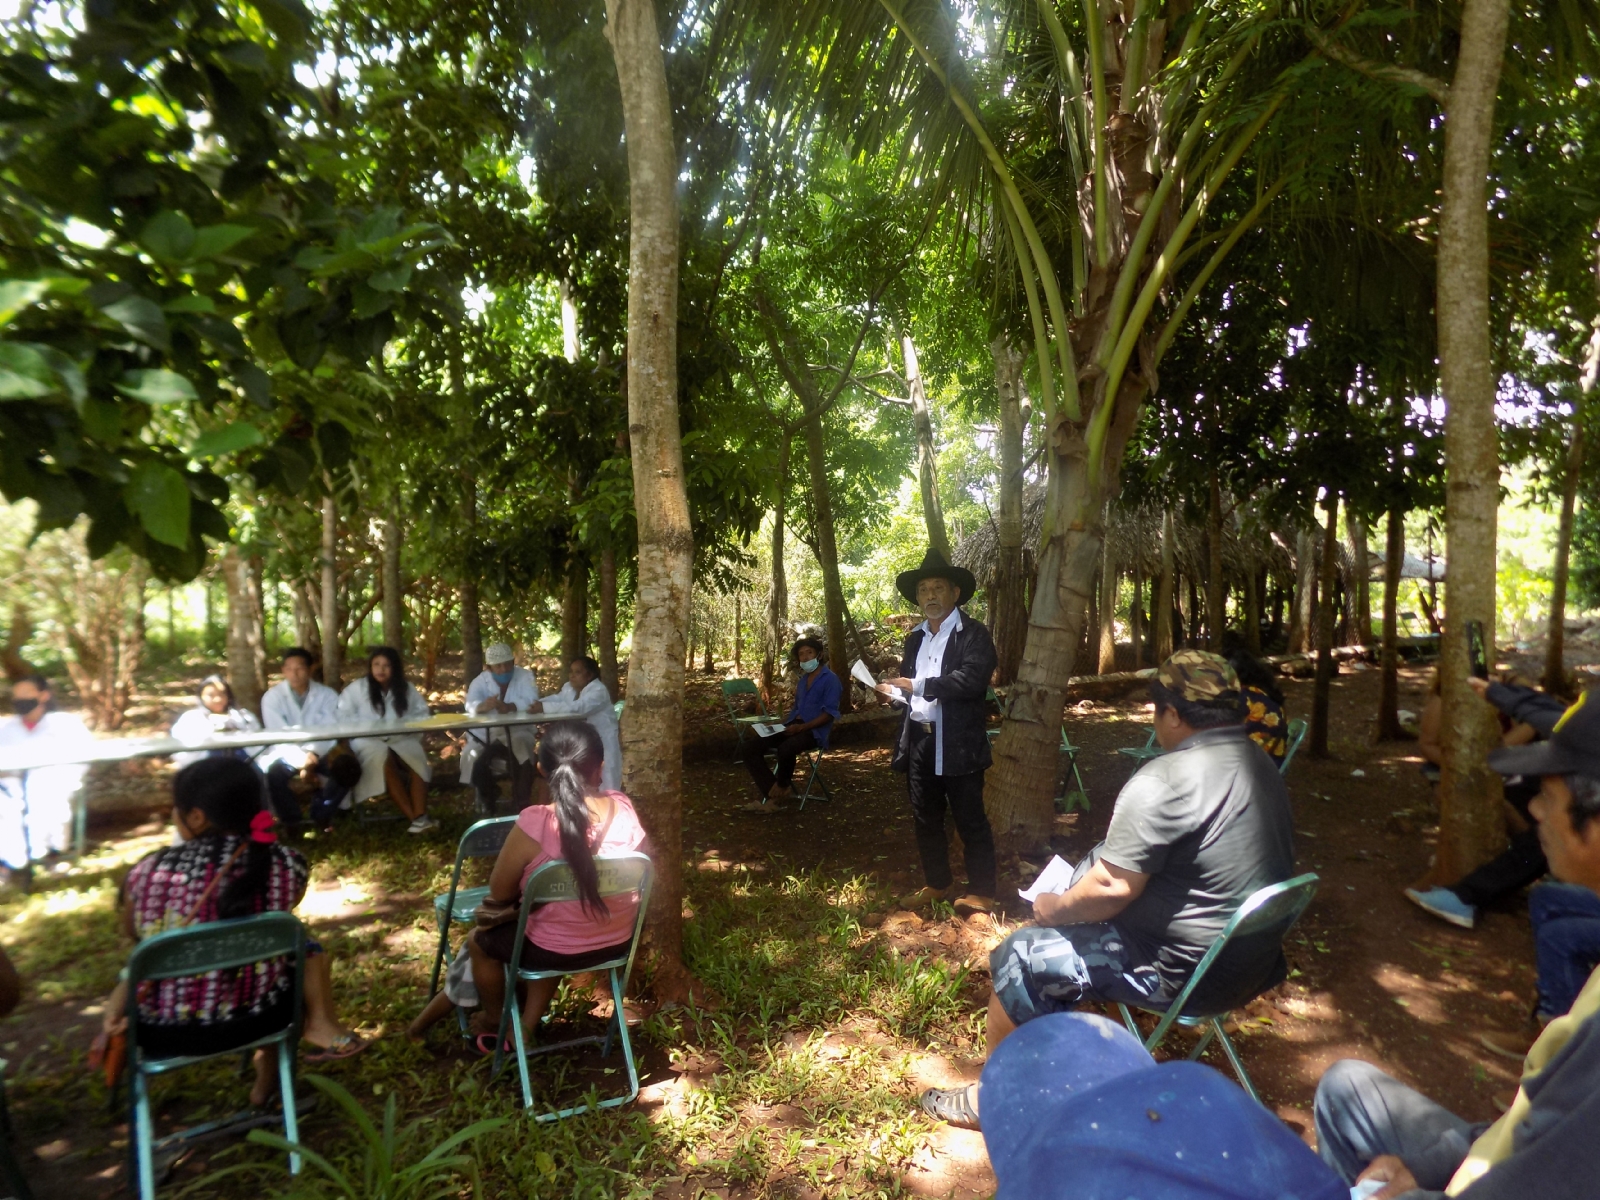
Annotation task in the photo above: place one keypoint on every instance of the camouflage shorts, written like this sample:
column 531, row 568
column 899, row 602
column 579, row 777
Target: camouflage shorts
column 1040, row 970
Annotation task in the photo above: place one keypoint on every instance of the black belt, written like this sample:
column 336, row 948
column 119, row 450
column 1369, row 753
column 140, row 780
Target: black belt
column 925, row 726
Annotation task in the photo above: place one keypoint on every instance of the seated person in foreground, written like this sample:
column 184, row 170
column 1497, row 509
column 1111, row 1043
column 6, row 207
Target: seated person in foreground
column 1194, row 833
column 296, row 769
column 582, row 821
column 395, row 764
column 227, row 864
column 215, row 712
column 584, row 695
column 815, row 708
column 501, row 688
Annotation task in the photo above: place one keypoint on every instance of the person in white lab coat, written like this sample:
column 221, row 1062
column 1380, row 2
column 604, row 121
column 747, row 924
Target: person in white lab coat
column 296, row 769
column 503, row 687
column 585, row 696
column 215, row 711
column 36, row 805
column 396, row 763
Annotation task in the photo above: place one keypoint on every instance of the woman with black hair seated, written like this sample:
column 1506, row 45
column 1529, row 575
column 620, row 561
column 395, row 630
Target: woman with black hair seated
column 227, row 864
column 396, row 764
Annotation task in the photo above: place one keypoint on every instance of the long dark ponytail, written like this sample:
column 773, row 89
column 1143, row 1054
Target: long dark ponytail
column 397, row 680
column 570, row 754
column 230, row 793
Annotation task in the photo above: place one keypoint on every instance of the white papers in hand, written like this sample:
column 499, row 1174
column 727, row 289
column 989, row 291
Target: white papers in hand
column 1054, row 879
column 763, row 730
column 859, row 672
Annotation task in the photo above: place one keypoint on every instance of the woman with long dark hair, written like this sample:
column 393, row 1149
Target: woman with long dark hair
column 227, row 863
column 215, row 711
column 582, row 820
column 396, row 764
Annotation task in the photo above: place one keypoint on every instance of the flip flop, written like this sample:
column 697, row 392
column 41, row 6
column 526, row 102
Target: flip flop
column 346, row 1045
column 484, row 1044
column 951, row 1106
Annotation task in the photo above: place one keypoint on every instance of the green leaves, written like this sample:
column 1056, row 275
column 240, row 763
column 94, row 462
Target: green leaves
column 18, row 294
column 24, row 372
column 229, row 439
column 157, row 387
column 158, row 495
column 142, row 318
column 171, row 237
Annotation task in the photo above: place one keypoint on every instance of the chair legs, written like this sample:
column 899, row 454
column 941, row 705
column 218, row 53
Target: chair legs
column 143, row 1135
column 291, row 1119
column 814, row 779
column 510, row 1014
column 1213, row 1029
column 438, row 957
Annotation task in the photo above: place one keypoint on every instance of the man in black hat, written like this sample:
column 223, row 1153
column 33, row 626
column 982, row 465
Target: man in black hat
column 943, row 749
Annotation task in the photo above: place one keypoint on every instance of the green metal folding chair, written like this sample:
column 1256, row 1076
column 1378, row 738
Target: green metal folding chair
column 1297, row 734
column 620, row 875
column 732, row 688
column 814, row 778
column 1268, row 913
column 1070, row 799
column 455, row 907
column 11, row 1176
column 1145, row 752
column 198, row 950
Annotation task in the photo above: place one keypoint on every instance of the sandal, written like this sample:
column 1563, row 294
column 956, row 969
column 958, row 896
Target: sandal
column 346, row 1045
column 484, row 1044
column 951, row 1106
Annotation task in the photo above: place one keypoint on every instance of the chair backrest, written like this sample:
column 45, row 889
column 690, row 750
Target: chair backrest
column 619, row 874
column 484, row 839
column 1296, row 735
column 740, row 687
column 1266, row 915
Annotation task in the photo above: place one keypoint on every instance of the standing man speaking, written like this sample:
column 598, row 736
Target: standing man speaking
column 943, row 748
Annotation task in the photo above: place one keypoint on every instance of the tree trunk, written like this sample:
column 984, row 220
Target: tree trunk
column 1361, row 580
column 1216, row 585
column 1166, row 589
column 1325, row 666
column 652, row 725
column 1394, row 558
column 1106, row 647
column 827, row 553
column 778, row 603
column 1471, row 825
column 606, row 633
column 1555, row 668
column 471, row 619
column 247, row 658
column 738, row 633
column 575, row 611
column 1008, row 610
column 1252, row 611
column 1303, row 618
column 1136, row 615
column 927, row 463
column 306, row 630
column 394, row 588
column 332, row 625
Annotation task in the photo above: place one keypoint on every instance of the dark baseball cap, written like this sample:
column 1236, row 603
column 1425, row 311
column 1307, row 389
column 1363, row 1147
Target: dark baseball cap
column 1573, row 748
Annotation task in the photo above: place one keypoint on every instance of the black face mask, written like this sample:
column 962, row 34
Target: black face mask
column 23, row 707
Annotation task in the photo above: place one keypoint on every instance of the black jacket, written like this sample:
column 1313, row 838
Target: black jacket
column 961, row 689
column 1528, row 705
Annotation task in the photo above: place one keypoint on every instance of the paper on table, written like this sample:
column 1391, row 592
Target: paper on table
column 1054, row 879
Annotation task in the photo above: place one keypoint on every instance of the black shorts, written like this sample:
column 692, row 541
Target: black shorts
column 499, row 941
column 192, row 1037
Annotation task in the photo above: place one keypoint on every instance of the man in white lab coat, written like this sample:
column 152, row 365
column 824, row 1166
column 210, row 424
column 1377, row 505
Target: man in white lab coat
column 585, row 696
column 296, row 769
column 502, row 687
column 36, row 805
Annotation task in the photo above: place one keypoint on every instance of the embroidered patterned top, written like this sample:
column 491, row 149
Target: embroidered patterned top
column 1265, row 723
column 164, row 888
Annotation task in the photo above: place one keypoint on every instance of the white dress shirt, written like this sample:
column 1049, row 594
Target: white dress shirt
column 930, row 665
column 595, row 706
column 200, row 724
column 521, row 693
column 281, row 708
column 36, row 805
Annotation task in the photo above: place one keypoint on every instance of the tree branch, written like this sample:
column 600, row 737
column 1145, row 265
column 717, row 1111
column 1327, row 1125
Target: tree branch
column 1389, row 73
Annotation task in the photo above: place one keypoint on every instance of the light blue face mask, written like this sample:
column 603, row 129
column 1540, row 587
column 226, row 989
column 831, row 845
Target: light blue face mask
column 502, row 680
column 809, row 665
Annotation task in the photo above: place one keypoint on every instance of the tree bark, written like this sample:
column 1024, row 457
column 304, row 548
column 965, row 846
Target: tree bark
column 306, row 630
column 1008, row 610
column 652, row 724
column 575, row 611
column 827, row 552
column 1166, row 586
column 606, row 631
column 1471, row 825
column 1252, row 611
column 1361, row 582
column 1303, row 617
column 394, row 588
column 1325, row 612
column 332, row 625
column 1136, row 615
column 1106, row 647
column 1216, row 585
column 1394, row 558
column 247, row 657
column 927, row 462
column 471, row 618
column 778, row 603
column 1555, row 668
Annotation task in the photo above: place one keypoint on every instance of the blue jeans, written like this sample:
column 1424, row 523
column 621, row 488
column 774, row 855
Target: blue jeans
column 1052, row 969
column 1361, row 1113
column 1566, row 941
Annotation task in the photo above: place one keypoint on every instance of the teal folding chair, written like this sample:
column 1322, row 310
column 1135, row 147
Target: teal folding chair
column 814, row 778
column 11, row 1176
column 1267, row 914
column 455, row 907
column 732, row 688
column 620, row 875
column 1070, row 799
column 198, row 950
column 616, row 709
column 1145, row 752
column 1297, row 734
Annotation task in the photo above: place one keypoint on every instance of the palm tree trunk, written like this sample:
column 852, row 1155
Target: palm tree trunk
column 1555, row 669
column 332, row 625
column 1216, row 585
column 606, row 632
column 1394, row 559
column 394, row 591
column 1165, row 587
column 1008, row 610
column 652, row 725
column 1325, row 612
column 1471, row 825
column 927, row 463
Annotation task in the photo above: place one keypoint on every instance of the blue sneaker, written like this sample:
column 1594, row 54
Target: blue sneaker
column 1444, row 904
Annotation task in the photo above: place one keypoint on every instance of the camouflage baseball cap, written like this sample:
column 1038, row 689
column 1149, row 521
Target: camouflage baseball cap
column 1199, row 675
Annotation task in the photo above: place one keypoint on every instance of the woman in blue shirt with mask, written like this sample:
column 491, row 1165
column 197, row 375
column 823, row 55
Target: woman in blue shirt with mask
column 816, row 704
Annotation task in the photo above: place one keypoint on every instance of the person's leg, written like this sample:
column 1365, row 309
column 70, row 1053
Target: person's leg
column 285, row 804
column 1362, row 1113
column 972, row 823
column 786, row 751
column 394, row 778
column 489, row 976
column 755, row 761
column 419, row 795
column 997, row 1026
column 927, row 812
column 432, row 1013
column 1515, row 868
column 522, row 777
column 322, row 1025
column 1566, row 940
column 535, row 999
column 483, row 779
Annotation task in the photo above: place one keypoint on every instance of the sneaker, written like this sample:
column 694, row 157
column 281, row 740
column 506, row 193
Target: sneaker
column 1444, row 904
column 422, row 824
column 923, row 897
column 967, row 905
column 1514, row 1046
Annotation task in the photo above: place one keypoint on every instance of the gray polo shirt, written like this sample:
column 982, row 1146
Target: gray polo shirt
column 1209, row 823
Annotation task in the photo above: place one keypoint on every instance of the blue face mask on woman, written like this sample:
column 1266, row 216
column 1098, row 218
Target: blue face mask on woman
column 809, row 665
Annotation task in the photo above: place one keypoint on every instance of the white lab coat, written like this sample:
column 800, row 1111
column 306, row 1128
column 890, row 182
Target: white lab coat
column 521, row 693
column 279, row 711
column 200, row 724
column 594, row 705
column 355, row 706
column 36, row 805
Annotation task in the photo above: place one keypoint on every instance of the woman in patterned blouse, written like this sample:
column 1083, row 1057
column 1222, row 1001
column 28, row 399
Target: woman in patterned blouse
column 1263, row 700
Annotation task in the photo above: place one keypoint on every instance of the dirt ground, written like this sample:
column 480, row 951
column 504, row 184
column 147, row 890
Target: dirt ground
column 1371, row 976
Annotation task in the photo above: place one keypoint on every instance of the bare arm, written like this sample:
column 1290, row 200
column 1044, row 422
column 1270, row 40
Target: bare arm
column 505, row 881
column 1428, row 731
column 1099, row 896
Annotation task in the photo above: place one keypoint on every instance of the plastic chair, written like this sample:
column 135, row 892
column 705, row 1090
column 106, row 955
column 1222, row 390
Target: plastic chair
column 11, row 1176
column 1297, row 734
column 1145, row 752
column 743, row 721
column 215, row 946
column 1269, row 912
column 455, row 907
column 620, row 874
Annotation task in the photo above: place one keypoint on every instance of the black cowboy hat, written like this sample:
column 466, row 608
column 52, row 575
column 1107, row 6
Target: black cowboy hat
column 934, row 567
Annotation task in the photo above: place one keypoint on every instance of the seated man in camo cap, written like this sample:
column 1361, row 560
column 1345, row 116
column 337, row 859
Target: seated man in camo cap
column 1194, row 833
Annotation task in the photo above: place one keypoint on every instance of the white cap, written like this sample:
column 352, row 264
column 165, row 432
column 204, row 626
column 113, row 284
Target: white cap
column 499, row 653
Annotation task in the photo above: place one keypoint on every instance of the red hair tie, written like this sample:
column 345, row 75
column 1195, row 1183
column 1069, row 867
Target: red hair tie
column 261, row 828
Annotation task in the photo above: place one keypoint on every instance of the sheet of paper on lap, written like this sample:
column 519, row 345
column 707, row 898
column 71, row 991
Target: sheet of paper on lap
column 766, row 730
column 1054, row 879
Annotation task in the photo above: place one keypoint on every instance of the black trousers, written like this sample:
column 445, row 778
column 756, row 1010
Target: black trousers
column 786, row 746
column 1518, row 866
column 522, row 775
column 963, row 794
column 286, row 805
